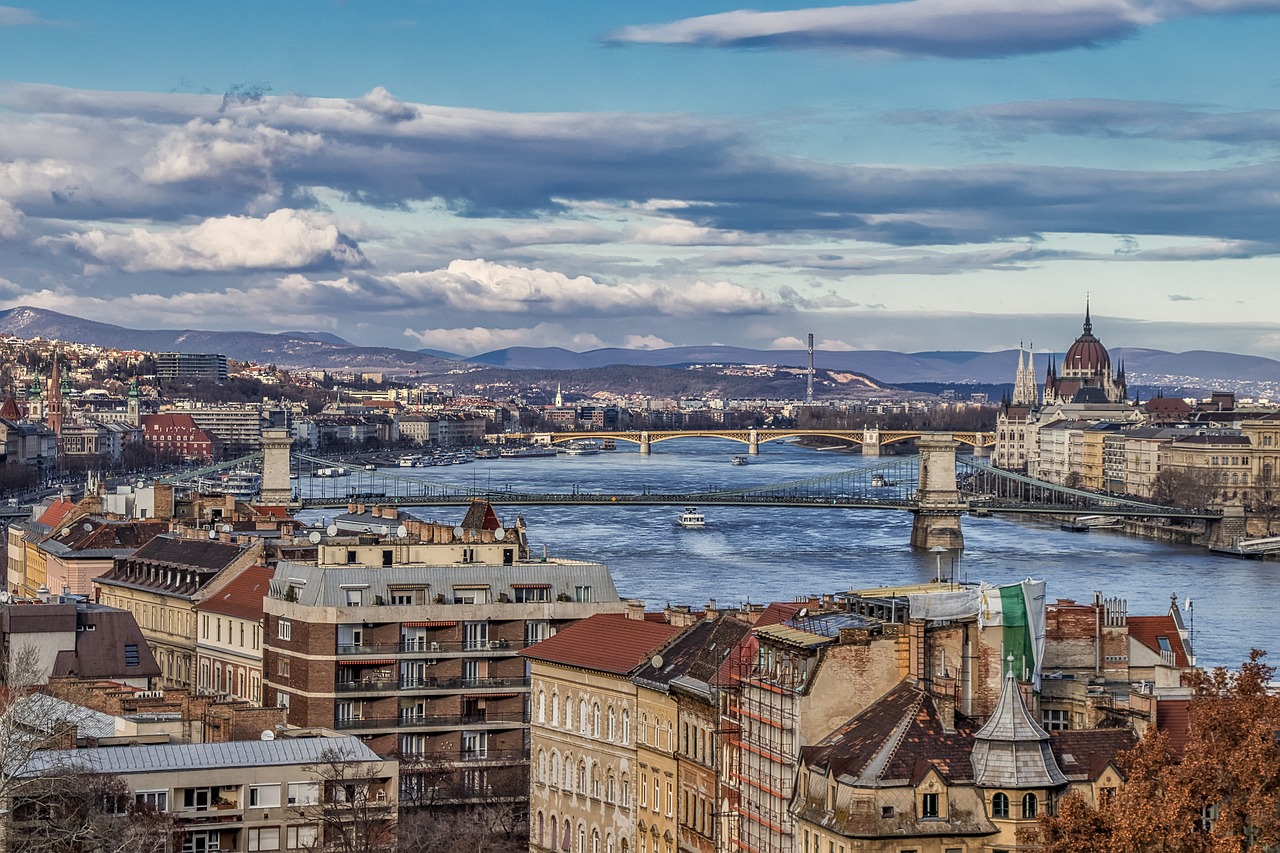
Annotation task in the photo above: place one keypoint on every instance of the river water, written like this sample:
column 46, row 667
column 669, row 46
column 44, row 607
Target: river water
column 762, row 554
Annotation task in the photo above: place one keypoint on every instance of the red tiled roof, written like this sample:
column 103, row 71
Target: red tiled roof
column 607, row 642
column 777, row 613
column 1173, row 717
column 1148, row 629
column 1085, row 753
column 57, row 511
column 242, row 596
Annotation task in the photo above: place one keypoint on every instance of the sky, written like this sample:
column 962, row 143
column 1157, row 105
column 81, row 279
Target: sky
column 911, row 175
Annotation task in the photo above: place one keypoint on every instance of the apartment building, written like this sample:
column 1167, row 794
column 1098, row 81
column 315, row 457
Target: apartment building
column 163, row 581
column 413, row 642
column 282, row 793
column 229, row 637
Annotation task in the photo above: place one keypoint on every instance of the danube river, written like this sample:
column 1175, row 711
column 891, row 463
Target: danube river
column 766, row 554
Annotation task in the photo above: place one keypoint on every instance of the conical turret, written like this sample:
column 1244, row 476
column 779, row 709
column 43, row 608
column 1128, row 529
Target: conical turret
column 1012, row 750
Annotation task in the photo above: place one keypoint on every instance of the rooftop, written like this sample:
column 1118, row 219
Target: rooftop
column 605, row 642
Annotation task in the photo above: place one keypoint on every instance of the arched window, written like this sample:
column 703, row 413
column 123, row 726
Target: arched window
column 542, row 767
column 582, row 777
column 583, row 721
column 1000, row 805
column 568, row 773
column 1029, row 805
column 541, row 829
column 595, row 841
column 568, row 839
column 542, row 706
column 608, row 843
column 624, row 846
column 555, row 710
column 626, row 726
column 612, row 723
column 568, row 712
column 611, row 788
column 582, row 838
column 626, row 791
column 595, row 720
column 555, row 769
column 595, row 780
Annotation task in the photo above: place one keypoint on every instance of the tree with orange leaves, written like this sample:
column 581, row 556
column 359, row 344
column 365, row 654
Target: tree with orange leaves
column 1221, row 794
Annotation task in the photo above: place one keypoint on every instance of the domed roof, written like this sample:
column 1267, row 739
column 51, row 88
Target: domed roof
column 1087, row 356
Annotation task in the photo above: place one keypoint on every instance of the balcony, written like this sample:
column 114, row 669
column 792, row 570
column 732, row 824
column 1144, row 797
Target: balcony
column 429, row 685
column 485, row 648
column 494, row 720
column 411, row 762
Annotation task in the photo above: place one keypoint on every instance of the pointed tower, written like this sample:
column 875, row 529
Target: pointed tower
column 559, row 396
column 1025, row 392
column 134, row 404
column 35, row 401
column 53, row 402
column 1012, row 751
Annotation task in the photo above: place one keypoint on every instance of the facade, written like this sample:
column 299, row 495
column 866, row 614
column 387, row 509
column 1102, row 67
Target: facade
column 229, row 637
column 287, row 793
column 238, row 429
column 85, row 547
column 162, row 582
column 68, row 637
column 414, row 642
column 177, row 434
column 191, row 366
column 586, row 790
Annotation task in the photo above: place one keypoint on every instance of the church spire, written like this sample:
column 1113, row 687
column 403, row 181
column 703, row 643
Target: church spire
column 1088, row 322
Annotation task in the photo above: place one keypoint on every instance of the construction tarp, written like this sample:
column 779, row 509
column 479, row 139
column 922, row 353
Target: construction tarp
column 1019, row 611
column 945, row 606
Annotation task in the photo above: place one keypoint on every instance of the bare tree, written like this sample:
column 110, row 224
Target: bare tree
column 355, row 806
column 86, row 812
column 1184, row 488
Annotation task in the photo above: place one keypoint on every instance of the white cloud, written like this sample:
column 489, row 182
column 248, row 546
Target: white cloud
column 10, row 220
column 14, row 16
column 688, row 234
column 284, row 239
column 645, row 342
column 479, row 339
column 203, row 149
column 829, row 344
column 481, row 285
column 944, row 28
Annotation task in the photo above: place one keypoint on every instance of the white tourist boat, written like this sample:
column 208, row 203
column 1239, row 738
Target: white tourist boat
column 691, row 518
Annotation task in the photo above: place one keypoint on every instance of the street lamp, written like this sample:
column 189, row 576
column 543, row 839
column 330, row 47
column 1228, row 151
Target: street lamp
column 938, row 551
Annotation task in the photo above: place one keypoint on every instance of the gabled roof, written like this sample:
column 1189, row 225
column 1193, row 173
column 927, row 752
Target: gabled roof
column 57, row 511
column 606, row 642
column 110, row 646
column 1149, row 630
column 201, row 554
column 697, row 655
column 96, row 537
column 896, row 739
column 480, row 516
column 242, row 596
column 1083, row 755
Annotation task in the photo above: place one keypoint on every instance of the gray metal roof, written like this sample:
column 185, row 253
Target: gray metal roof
column 201, row 756
column 325, row 586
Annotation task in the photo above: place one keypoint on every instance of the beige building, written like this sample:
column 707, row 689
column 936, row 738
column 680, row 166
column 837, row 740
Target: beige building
column 586, row 791
column 229, row 637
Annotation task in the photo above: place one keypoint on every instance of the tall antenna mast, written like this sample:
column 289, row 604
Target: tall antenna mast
column 808, row 397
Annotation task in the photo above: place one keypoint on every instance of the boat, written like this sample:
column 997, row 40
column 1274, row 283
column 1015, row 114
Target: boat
column 328, row 473
column 879, row 481
column 409, row 461
column 740, row 460
column 581, row 448
column 486, row 453
column 691, row 518
column 1074, row 527
column 242, row 485
column 526, row 452
column 371, row 467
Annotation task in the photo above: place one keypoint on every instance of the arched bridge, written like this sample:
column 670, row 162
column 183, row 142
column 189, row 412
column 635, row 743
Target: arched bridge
column 870, row 439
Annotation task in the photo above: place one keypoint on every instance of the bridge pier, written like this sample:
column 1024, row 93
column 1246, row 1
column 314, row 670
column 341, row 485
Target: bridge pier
column 645, row 450
column 871, row 442
column 981, row 451
column 753, row 442
column 275, row 489
column 1226, row 531
column 939, row 507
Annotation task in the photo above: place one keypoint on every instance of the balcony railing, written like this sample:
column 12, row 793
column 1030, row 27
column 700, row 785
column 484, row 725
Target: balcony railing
column 411, row 762
column 406, row 720
column 433, row 647
column 427, row 684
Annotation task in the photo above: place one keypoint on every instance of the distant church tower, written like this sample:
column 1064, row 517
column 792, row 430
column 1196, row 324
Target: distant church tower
column 1025, row 390
column 134, row 404
column 54, row 401
column 1086, row 375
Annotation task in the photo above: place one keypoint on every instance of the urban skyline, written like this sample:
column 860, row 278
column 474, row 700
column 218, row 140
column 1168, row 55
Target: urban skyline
column 910, row 175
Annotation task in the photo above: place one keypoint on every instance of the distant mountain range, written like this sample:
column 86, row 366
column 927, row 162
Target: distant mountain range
column 1178, row 372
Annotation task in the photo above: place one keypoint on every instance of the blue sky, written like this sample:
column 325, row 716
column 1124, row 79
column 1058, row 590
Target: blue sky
column 913, row 175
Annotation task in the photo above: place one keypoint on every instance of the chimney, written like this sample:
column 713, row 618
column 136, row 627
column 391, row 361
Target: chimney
column 635, row 608
column 946, row 708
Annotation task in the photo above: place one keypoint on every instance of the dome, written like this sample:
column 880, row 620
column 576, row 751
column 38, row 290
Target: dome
column 1087, row 356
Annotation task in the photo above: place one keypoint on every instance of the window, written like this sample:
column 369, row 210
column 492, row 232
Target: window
column 1029, row 805
column 264, row 796
column 1056, row 720
column 353, row 597
column 525, row 595
column 201, row 841
column 264, row 838
column 1000, row 805
column 536, row 630
column 582, row 593
column 284, row 629
column 304, row 793
column 282, row 666
column 153, row 800
column 301, row 837
column 407, row 596
column 197, row 799
column 626, row 726
column 929, row 805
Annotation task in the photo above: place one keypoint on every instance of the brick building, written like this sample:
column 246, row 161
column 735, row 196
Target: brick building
column 177, row 434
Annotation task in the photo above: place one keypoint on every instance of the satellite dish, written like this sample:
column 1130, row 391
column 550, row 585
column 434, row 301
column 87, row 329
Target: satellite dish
column 213, row 534
column 402, row 532
column 314, row 537
column 804, row 611
column 656, row 661
column 332, row 530
column 226, row 528
column 385, row 530
column 499, row 535
column 458, row 531
column 66, row 531
column 267, row 734
column 87, row 527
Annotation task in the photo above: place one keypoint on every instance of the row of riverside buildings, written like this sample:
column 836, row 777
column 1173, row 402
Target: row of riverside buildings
column 1079, row 429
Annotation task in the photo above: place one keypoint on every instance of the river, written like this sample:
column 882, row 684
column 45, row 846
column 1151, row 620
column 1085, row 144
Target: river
column 778, row 553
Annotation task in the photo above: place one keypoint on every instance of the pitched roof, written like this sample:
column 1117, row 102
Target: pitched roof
column 1084, row 754
column 1012, row 750
column 896, row 739
column 1149, row 630
column 606, row 642
column 111, row 647
column 57, row 511
column 200, row 554
column 242, row 596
